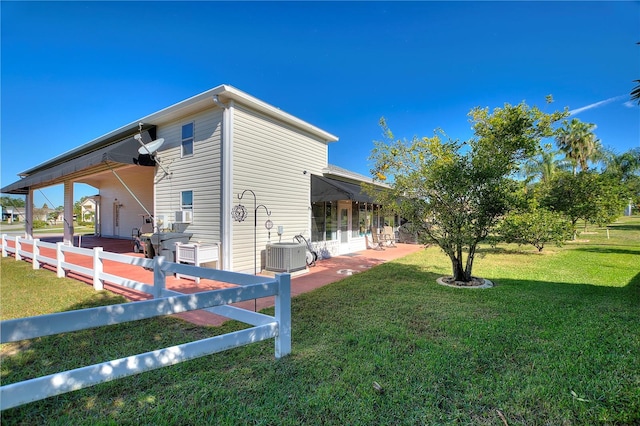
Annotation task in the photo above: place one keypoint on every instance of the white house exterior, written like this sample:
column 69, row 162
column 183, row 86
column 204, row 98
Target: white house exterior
column 87, row 210
column 12, row 214
column 218, row 145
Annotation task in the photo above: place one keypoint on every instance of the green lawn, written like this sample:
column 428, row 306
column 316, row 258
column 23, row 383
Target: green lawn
column 556, row 342
column 49, row 229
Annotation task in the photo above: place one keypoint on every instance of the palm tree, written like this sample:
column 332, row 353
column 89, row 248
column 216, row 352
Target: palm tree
column 579, row 143
column 543, row 165
column 625, row 165
column 635, row 93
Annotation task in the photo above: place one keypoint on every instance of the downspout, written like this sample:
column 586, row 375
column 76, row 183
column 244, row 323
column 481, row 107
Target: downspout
column 227, row 182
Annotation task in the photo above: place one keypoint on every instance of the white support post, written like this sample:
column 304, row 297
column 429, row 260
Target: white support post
column 18, row 248
column 98, row 267
column 68, row 213
column 59, row 260
column 36, row 252
column 283, row 315
column 28, row 212
column 4, row 245
column 159, row 277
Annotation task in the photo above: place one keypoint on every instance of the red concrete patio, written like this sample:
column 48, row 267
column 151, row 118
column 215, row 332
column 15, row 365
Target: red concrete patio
column 325, row 272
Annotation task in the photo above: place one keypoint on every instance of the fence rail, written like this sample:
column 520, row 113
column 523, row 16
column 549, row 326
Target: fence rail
column 165, row 302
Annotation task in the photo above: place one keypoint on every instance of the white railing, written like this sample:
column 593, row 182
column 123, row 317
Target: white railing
column 166, row 302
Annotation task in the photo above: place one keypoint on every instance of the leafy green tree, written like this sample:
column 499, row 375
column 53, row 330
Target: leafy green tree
column 589, row 196
column 455, row 193
column 8, row 201
column 536, row 227
column 53, row 217
column 626, row 168
column 577, row 140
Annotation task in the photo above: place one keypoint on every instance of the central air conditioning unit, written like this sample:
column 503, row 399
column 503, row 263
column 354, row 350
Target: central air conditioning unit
column 286, row 257
column 184, row 216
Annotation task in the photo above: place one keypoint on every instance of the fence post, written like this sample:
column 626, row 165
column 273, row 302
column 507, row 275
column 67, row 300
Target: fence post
column 283, row 315
column 36, row 252
column 59, row 260
column 98, row 283
column 4, row 245
column 159, row 277
column 18, row 248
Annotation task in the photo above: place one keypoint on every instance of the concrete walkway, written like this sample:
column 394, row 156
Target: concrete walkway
column 325, row 272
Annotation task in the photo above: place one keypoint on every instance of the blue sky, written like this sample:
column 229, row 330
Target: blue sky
column 73, row 71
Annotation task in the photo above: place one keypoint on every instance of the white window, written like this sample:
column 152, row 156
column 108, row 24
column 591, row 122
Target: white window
column 186, row 200
column 187, row 140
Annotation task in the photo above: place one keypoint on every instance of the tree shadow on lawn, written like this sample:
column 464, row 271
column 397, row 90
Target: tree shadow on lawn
column 559, row 287
column 606, row 250
column 503, row 250
column 624, row 227
column 634, row 284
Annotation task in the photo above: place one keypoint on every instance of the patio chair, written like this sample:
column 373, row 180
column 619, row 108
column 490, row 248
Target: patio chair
column 389, row 237
column 376, row 243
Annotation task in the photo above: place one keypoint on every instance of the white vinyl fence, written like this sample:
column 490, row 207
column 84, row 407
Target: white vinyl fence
column 166, row 302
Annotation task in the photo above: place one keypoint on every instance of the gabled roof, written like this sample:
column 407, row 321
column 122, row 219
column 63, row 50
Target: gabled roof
column 40, row 174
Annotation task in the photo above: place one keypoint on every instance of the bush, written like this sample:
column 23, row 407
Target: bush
column 39, row 224
column 536, row 227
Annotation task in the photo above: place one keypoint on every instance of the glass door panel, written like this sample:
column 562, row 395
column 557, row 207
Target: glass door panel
column 344, row 225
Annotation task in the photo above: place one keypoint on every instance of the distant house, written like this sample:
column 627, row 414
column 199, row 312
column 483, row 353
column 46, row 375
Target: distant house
column 12, row 214
column 87, row 210
column 218, row 146
column 55, row 217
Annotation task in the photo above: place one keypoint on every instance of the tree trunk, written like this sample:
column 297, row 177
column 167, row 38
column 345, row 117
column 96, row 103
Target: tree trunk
column 457, row 269
column 470, row 258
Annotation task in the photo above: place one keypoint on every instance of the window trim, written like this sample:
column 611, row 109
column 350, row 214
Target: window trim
column 190, row 139
column 183, row 206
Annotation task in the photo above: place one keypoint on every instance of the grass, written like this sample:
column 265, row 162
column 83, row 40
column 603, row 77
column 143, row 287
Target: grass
column 555, row 342
column 49, row 229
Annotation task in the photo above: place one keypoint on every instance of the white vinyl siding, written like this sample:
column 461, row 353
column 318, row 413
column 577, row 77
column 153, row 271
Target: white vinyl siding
column 139, row 179
column 187, row 140
column 270, row 158
column 200, row 173
column 186, row 202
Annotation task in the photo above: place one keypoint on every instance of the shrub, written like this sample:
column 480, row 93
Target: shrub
column 536, row 227
column 39, row 224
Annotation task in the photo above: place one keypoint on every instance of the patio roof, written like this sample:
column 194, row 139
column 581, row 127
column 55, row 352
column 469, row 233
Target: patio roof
column 327, row 189
column 85, row 163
